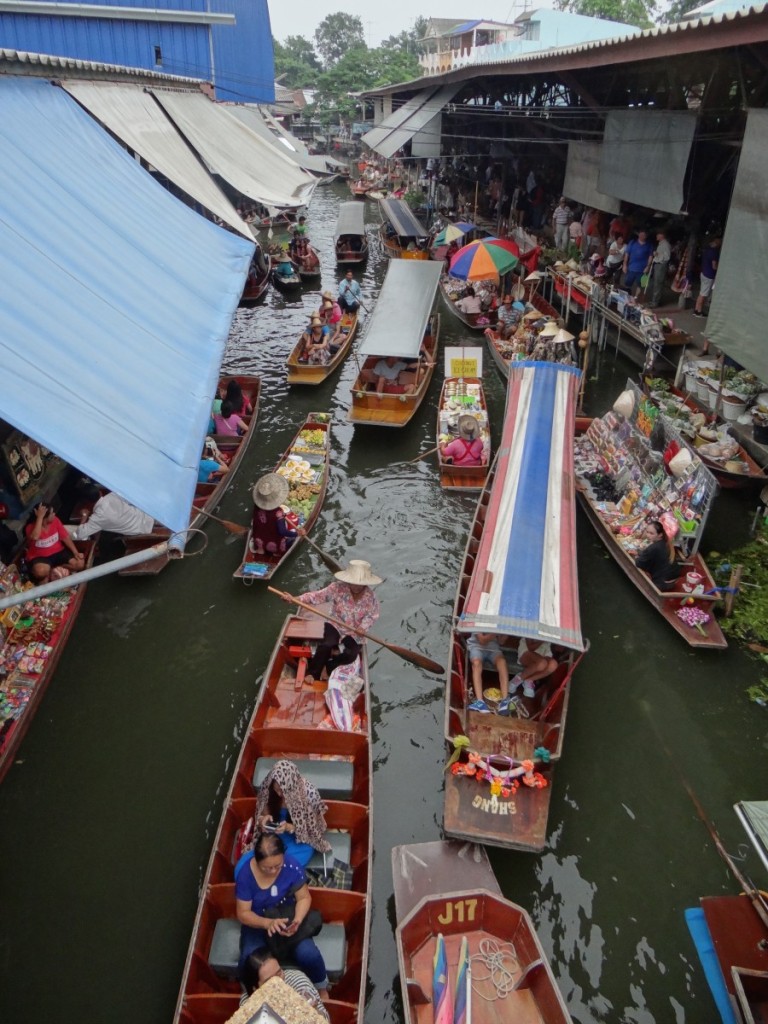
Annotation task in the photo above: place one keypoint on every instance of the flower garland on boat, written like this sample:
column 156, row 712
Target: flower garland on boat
column 505, row 781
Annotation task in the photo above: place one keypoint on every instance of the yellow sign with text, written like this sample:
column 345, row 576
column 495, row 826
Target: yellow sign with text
column 464, row 368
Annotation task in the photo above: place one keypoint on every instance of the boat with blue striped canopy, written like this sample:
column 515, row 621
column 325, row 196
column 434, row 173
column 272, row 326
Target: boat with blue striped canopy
column 519, row 581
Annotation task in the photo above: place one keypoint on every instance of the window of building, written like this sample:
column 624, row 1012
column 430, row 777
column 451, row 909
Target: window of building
column 158, row 56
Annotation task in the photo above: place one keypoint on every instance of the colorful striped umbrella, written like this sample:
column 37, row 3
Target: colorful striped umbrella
column 441, row 995
column 485, row 259
column 453, row 231
column 461, row 1000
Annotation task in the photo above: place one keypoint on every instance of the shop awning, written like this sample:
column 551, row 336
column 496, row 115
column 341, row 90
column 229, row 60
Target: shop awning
column 581, row 174
column 396, row 326
column 402, row 218
column 414, row 115
column 134, row 116
column 233, row 151
column 525, row 581
column 645, row 157
column 736, row 321
column 117, row 303
column 351, row 219
column 252, row 118
column 296, row 143
column 753, row 814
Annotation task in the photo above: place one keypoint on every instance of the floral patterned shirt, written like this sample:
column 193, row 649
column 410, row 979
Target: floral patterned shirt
column 358, row 614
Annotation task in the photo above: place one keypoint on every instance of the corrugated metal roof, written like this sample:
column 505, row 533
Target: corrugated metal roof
column 660, row 32
column 45, row 60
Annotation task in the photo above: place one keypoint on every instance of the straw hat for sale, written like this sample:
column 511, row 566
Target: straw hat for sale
column 549, row 330
column 468, row 427
column 359, row 574
column 269, row 492
column 562, row 337
column 533, row 314
column 534, row 276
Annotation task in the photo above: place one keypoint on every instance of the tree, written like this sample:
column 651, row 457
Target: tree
column 337, row 35
column 631, row 12
column 677, row 9
column 296, row 63
column 410, row 40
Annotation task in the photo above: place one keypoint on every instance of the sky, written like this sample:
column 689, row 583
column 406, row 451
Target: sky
column 301, row 17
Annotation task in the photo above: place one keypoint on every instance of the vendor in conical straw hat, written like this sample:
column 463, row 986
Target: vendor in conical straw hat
column 271, row 531
column 467, row 448
column 354, row 603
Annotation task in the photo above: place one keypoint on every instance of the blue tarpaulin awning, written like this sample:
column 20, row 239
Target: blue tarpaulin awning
column 117, row 302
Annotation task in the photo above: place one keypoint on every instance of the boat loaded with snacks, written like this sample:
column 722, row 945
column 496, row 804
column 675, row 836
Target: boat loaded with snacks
column 403, row 327
column 451, row 289
column 315, row 373
column 305, row 464
column 402, row 233
column 462, row 396
column 35, row 634
column 208, row 496
column 465, row 952
column 291, row 720
column 633, row 468
column 518, row 581
column 537, row 315
column 350, row 239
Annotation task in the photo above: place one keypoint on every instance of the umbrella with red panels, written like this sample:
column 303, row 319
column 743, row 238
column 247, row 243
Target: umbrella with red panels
column 485, row 259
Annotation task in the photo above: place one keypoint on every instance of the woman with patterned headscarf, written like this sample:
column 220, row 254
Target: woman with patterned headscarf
column 290, row 806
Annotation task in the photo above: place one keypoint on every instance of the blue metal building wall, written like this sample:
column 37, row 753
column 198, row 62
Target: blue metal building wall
column 242, row 53
column 243, row 56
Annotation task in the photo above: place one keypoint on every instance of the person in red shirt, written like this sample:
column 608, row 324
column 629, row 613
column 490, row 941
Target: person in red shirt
column 49, row 546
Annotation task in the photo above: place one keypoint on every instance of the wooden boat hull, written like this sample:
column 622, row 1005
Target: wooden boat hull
column 352, row 257
column 310, row 275
column 469, row 320
column 544, row 307
column 287, row 285
column 395, row 251
column 17, row 731
column 740, row 940
column 666, row 603
column 207, row 496
column 254, row 291
column 286, row 722
column 394, row 410
column 306, row 373
column 481, row 914
column 314, row 421
column 467, row 479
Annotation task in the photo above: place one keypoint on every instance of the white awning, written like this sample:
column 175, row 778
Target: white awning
column 414, row 116
column 251, row 118
column 132, row 115
column 396, row 326
column 351, row 220
column 234, row 152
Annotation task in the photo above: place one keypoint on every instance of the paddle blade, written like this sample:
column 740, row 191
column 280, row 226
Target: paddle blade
column 414, row 657
column 441, row 997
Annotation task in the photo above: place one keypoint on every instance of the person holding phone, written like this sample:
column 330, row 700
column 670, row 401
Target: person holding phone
column 50, row 553
column 291, row 807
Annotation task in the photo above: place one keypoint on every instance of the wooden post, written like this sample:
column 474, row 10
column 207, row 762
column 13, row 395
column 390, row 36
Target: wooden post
column 733, row 584
column 584, row 346
column 477, row 190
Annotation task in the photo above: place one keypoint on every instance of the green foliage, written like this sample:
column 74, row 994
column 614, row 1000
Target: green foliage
column 631, row 12
column 337, row 35
column 410, row 40
column 357, row 70
column 749, row 621
column 296, row 63
column 677, row 9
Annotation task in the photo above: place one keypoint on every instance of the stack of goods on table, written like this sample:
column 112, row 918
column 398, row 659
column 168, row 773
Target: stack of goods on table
column 303, row 469
column 461, row 399
column 28, row 635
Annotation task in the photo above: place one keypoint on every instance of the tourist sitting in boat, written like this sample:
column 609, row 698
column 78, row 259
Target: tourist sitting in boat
column 330, row 311
column 392, row 376
column 297, row 247
column 290, row 806
column 111, row 513
column 352, row 601
column 484, row 651
column 537, row 662
column 508, row 316
column 212, row 467
column 467, row 448
column 50, row 552
column 240, row 402
column 271, row 531
column 284, row 267
column 658, row 559
column 227, row 422
column 268, row 882
column 316, row 340
column 350, row 293
column 262, row 965
column 470, row 304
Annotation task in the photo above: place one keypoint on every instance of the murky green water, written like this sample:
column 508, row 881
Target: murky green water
column 106, row 824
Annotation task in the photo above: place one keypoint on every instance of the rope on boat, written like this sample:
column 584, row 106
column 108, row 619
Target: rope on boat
column 502, row 964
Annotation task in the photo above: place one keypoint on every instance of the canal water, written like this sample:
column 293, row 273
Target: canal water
column 107, row 819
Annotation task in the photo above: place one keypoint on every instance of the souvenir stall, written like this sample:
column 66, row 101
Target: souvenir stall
column 638, row 467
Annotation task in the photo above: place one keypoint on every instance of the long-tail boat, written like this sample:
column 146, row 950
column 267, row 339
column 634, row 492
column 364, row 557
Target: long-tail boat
column 350, row 241
column 305, row 464
column 402, row 232
column 208, row 496
column 257, row 281
column 518, row 579
column 449, row 909
column 316, row 373
column 290, row 721
column 313, row 271
column 463, row 396
column 402, row 326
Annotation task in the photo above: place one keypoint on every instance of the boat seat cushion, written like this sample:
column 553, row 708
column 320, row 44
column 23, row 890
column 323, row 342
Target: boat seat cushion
column 334, row 779
column 341, row 850
column 225, row 948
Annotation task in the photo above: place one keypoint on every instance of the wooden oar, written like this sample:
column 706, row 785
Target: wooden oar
column 423, row 455
column 403, row 652
column 235, row 528
column 331, row 563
